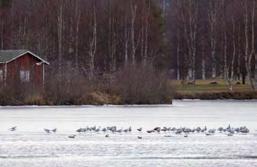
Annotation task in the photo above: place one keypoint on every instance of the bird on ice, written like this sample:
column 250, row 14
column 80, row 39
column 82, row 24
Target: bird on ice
column 72, row 136
column 139, row 129
column 230, row 134
column 168, row 136
column 13, row 128
column 47, row 131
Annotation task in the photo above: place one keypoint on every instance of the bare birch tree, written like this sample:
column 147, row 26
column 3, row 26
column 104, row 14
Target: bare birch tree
column 249, row 53
column 77, row 16
column 93, row 44
column 60, row 37
column 133, row 8
column 178, row 54
column 203, row 63
column 213, row 37
column 145, row 32
column 190, row 34
column 126, row 38
column 229, row 73
column 252, row 53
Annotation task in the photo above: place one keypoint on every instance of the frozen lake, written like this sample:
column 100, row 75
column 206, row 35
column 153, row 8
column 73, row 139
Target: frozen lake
column 30, row 146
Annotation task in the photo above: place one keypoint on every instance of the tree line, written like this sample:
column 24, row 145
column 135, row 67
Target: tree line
column 213, row 39
column 197, row 39
column 86, row 35
column 100, row 51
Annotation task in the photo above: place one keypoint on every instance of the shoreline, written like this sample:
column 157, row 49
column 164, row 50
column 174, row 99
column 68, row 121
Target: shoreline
column 178, row 95
column 217, row 95
column 124, row 105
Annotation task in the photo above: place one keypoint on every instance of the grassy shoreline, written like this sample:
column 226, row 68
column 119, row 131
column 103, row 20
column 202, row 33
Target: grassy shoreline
column 201, row 90
column 206, row 90
column 177, row 96
column 96, row 99
column 217, row 96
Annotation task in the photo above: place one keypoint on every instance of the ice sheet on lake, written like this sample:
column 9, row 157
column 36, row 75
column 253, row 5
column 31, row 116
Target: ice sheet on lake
column 31, row 146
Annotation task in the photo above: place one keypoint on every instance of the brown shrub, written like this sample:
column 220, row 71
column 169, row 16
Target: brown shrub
column 131, row 85
column 15, row 93
column 142, row 85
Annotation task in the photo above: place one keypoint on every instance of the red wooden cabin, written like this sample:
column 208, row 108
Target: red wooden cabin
column 21, row 66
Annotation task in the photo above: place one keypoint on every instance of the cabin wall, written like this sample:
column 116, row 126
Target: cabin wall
column 25, row 63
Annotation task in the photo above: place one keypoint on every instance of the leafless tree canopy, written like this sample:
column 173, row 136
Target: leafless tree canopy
column 87, row 35
column 198, row 39
column 213, row 39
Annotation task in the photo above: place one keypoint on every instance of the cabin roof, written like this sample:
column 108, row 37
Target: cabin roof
column 6, row 56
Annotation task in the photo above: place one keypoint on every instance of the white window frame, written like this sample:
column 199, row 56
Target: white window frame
column 24, row 75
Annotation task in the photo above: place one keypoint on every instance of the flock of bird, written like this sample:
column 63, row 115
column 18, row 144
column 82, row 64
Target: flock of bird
column 168, row 131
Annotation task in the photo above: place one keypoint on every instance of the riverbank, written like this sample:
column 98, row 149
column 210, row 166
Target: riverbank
column 217, row 95
column 213, row 90
column 137, row 94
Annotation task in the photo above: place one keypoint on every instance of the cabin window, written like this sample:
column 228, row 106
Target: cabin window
column 1, row 75
column 24, row 76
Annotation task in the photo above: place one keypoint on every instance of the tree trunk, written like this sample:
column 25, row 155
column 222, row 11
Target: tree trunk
column 194, row 42
column 146, row 31
column 111, row 39
column 92, row 47
column 252, row 54
column 203, row 61
column 142, row 46
column 126, row 38
column 133, row 44
column 203, row 69
column 239, row 56
column 246, row 39
column 213, row 22
column 226, row 71
column 163, row 8
column 231, row 77
column 60, row 38
column 178, row 57
column 190, row 32
column 255, row 68
column 78, row 15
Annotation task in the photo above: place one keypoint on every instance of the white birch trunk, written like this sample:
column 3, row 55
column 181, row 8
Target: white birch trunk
column 92, row 45
column 190, row 33
column 126, row 36
column 145, row 54
column 178, row 57
column 60, row 38
column 78, row 15
column 111, row 40
column 246, row 37
column 226, row 71
column 252, row 54
column 203, row 69
column 203, row 63
column 133, row 43
column 231, row 77
column 239, row 57
column 213, row 22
